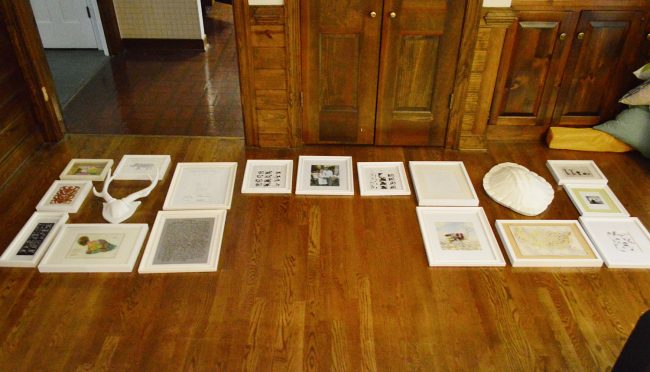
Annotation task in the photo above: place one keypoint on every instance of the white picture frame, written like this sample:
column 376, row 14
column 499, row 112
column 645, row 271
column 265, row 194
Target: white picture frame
column 95, row 248
column 576, row 171
column 29, row 245
column 325, row 175
column 382, row 179
column 595, row 200
column 547, row 243
column 201, row 186
column 268, row 177
column 442, row 184
column 142, row 167
column 458, row 236
column 87, row 169
column 64, row 196
column 170, row 248
column 622, row 242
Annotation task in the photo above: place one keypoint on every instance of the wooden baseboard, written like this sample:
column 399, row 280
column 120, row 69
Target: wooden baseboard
column 164, row 44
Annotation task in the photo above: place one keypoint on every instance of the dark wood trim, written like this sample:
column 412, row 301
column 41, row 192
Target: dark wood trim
column 246, row 80
column 111, row 27
column 164, row 44
column 292, row 30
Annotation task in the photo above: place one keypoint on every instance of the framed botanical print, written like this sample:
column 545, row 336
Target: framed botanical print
column 325, row 175
column 201, row 186
column 622, row 242
column 87, row 169
column 442, row 183
column 142, row 167
column 65, row 196
column 33, row 240
column 595, row 200
column 268, row 177
column 95, row 248
column 382, row 178
column 547, row 243
column 576, row 171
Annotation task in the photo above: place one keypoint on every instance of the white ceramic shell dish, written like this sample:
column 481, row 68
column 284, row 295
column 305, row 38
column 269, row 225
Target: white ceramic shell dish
column 519, row 189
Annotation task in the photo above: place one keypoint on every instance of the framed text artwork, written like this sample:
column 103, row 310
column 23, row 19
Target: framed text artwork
column 33, row 240
column 576, row 171
column 267, row 177
column 201, row 186
column 382, row 178
column 622, row 242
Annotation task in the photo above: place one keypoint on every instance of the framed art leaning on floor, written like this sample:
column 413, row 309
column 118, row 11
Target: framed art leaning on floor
column 33, row 240
column 325, row 175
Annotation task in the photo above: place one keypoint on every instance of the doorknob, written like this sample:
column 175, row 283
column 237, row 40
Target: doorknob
column 392, row 14
column 581, row 36
column 373, row 14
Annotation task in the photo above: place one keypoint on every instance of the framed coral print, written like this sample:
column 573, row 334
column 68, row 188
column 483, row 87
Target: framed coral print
column 268, row 177
column 65, row 196
column 622, row 242
column 99, row 247
column 201, row 186
column 87, row 169
column 33, row 240
column 142, row 167
column 458, row 236
column 576, row 171
column 442, row 183
column 547, row 243
column 595, row 200
column 382, row 179
column 325, row 175
column 184, row 241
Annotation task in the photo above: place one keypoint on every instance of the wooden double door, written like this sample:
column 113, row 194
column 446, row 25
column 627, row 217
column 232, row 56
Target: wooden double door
column 379, row 71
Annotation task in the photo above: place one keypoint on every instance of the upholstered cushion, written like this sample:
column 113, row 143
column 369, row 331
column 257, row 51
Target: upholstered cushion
column 638, row 96
column 644, row 72
column 583, row 139
column 631, row 126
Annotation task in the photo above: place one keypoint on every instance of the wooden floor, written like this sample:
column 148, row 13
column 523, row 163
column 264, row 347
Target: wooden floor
column 317, row 283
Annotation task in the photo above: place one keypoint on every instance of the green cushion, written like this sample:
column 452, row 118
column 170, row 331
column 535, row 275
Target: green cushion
column 644, row 72
column 631, row 126
column 638, row 96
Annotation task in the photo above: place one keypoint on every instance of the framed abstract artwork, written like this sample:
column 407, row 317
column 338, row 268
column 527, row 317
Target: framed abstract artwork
column 268, row 177
column 622, row 242
column 87, row 169
column 547, row 243
column 382, row 178
column 201, row 186
column 325, row 175
column 595, row 200
column 33, row 240
column 65, row 196
column 142, row 167
column 458, row 236
column 442, row 183
column 96, row 247
column 576, row 171
column 184, row 241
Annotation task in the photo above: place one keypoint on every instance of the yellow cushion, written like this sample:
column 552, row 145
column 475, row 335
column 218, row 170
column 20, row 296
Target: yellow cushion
column 584, row 139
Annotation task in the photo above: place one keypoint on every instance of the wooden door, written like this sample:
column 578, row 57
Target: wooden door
column 420, row 41
column 340, row 49
column 535, row 52
column 64, row 23
column 605, row 48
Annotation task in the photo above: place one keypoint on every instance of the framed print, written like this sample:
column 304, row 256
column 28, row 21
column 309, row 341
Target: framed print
column 201, row 186
column 87, row 169
column 442, row 183
column 33, row 240
column 325, row 175
column 98, row 247
column 184, row 241
column 458, row 236
column 142, row 167
column 65, row 196
column 622, row 242
column 549, row 243
column 387, row 178
column 268, row 177
column 595, row 200
column 576, row 171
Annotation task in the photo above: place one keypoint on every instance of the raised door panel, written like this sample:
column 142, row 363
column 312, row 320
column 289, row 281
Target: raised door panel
column 418, row 64
column 340, row 66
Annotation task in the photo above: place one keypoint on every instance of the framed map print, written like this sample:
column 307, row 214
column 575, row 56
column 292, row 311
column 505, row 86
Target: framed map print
column 595, row 200
column 65, row 196
column 268, row 177
column 387, row 178
column 142, row 167
column 33, row 240
column 576, row 171
column 622, row 242
column 201, row 186
column 87, row 169
column 442, row 183
column 325, row 175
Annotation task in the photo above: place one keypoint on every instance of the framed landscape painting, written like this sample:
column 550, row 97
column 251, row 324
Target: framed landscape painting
column 65, row 196
column 442, row 183
column 576, row 171
column 99, row 247
column 87, row 169
column 268, row 177
column 382, row 179
column 622, row 242
column 33, row 240
column 201, row 186
column 142, row 167
column 595, row 200
column 325, row 175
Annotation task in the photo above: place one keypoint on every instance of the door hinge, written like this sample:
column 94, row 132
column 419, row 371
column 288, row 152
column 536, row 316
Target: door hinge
column 451, row 100
column 88, row 11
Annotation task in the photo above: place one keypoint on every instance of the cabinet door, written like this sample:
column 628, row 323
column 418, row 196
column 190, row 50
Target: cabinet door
column 535, row 52
column 602, row 58
column 340, row 49
column 418, row 64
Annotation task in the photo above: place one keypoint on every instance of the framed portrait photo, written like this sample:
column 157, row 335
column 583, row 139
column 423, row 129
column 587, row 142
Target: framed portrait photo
column 325, row 175
column 595, row 200
column 458, row 236
column 382, row 178
column 201, row 186
column 442, row 183
column 576, row 171
column 184, row 241
column 99, row 247
column 65, row 196
column 268, row 177
column 87, row 169
column 622, row 242
column 33, row 240
column 547, row 243
column 142, row 167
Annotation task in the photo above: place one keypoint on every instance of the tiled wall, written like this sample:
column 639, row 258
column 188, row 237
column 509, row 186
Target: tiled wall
column 159, row 19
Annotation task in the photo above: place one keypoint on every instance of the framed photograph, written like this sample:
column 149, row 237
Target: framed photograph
column 458, row 236
column 576, row 171
column 65, row 196
column 94, row 248
column 33, row 240
column 201, row 186
column 142, row 167
column 325, row 175
column 387, row 178
column 622, row 242
column 595, row 200
column 268, row 177
column 87, row 169
column 442, row 183
column 184, row 241
column 549, row 243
